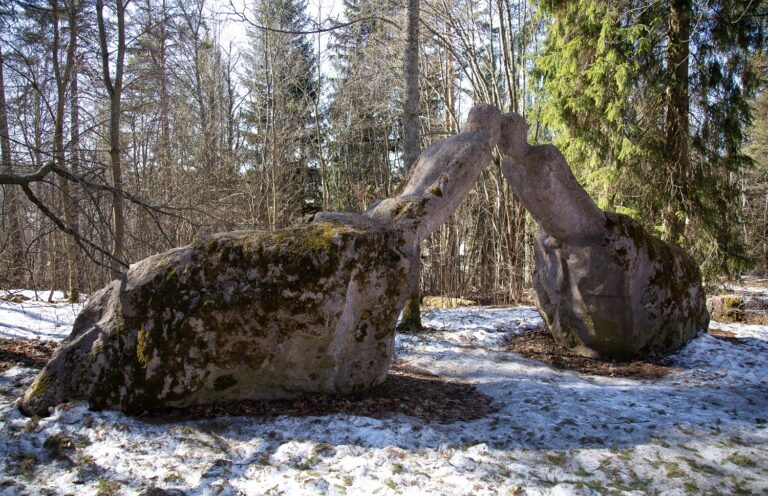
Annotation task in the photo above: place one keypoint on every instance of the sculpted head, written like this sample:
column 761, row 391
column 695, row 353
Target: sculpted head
column 513, row 141
column 485, row 120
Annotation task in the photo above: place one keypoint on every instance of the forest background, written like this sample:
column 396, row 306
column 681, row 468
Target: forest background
column 129, row 128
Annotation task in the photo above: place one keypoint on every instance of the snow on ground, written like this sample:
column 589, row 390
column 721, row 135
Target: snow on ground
column 27, row 314
column 699, row 430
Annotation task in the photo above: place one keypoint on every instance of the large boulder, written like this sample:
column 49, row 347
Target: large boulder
column 253, row 315
column 604, row 286
column 624, row 295
column 243, row 315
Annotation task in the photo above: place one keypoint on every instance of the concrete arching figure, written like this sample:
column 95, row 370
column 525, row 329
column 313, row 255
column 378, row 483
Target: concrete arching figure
column 604, row 285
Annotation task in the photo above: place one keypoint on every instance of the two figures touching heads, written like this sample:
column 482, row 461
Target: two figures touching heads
column 445, row 172
column 312, row 308
column 604, row 285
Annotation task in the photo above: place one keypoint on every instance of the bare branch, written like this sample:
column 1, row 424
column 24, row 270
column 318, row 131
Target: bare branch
column 83, row 243
column 244, row 18
column 7, row 178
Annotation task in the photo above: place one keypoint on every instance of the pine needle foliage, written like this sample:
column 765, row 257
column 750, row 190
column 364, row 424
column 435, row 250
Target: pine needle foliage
column 646, row 136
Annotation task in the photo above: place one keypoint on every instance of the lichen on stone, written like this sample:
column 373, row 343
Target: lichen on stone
column 40, row 386
column 254, row 315
column 435, row 190
column 727, row 308
column 143, row 347
column 629, row 296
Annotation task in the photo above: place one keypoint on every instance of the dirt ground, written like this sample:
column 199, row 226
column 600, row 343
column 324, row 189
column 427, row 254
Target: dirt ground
column 539, row 344
column 29, row 352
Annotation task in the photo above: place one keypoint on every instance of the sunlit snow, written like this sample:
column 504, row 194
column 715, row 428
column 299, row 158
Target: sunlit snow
column 31, row 316
column 701, row 429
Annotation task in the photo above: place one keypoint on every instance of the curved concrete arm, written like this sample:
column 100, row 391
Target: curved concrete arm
column 542, row 179
column 442, row 177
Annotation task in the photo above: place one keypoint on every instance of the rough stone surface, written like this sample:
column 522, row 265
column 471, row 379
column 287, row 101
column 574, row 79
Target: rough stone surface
column 442, row 177
column 253, row 315
column 604, row 286
column 727, row 308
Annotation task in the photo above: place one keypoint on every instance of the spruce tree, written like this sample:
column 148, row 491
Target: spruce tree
column 649, row 104
column 278, row 116
column 756, row 185
column 365, row 110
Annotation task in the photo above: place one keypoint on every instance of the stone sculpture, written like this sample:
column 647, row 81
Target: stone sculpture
column 254, row 315
column 312, row 308
column 604, row 286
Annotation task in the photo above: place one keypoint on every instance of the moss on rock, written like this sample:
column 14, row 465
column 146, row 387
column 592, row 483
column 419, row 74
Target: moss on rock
column 143, row 347
column 40, row 386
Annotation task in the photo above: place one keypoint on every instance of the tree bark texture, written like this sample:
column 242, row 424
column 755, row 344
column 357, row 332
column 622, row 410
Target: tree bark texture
column 14, row 239
column 411, row 146
column 115, row 90
column 63, row 77
column 677, row 123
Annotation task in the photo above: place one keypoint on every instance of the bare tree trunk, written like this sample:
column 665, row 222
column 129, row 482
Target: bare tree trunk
column 63, row 80
column 676, row 132
column 14, row 234
column 231, row 117
column 451, row 124
column 165, row 126
column 325, row 195
column 115, row 90
column 194, row 21
column 507, row 53
column 71, row 213
column 491, row 51
column 166, row 187
column 47, row 253
column 765, row 233
column 411, row 146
